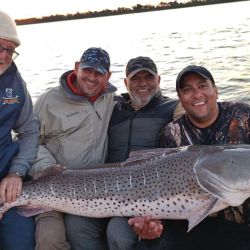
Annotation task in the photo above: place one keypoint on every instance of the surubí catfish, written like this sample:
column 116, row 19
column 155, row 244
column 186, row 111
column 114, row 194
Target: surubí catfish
column 179, row 183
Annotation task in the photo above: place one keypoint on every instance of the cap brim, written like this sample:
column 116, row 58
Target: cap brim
column 187, row 72
column 97, row 67
column 141, row 69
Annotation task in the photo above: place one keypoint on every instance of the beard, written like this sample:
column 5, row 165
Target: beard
column 139, row 102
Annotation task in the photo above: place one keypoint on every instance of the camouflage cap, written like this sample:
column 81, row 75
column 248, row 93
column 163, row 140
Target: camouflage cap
column 140, row 63
column 96, row 58
column 203, row 72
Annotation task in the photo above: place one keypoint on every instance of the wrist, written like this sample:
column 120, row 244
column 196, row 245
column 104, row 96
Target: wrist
column 18, row 174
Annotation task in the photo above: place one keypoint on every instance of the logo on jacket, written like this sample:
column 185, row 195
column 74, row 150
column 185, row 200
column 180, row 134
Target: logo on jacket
column 10, row 99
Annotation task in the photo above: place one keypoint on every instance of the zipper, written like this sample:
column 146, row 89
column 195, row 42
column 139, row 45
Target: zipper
column 130, row 134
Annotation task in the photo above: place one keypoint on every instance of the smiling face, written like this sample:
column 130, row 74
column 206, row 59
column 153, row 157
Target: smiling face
column 89, row 81
column 198, row 97
column 141, row 87
column 5, row 58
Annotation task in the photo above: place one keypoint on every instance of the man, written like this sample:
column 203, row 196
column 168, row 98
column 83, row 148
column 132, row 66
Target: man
column 16, row 114
column 207, row 122
column 135, row 124
column 74, row 119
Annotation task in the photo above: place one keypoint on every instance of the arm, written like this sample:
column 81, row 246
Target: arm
column 44, row 158
column 26, row 129
column 170, row 136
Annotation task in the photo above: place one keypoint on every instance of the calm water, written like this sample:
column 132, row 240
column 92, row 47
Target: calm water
column 216, row 36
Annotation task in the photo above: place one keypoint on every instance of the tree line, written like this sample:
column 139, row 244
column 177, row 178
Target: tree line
column 121, row 10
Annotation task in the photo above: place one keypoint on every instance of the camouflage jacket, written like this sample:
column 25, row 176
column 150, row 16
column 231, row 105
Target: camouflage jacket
column 231, row 126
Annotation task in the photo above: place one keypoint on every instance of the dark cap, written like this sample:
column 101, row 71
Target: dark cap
column 140, row 63
column 96, row 58
column 203, row 72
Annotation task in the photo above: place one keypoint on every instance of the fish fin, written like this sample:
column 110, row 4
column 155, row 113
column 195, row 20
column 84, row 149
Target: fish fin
column 48, row 171
column 28, row 211
column 135, row 157
column 149, row 154
column 202, row 213
column 225, row 175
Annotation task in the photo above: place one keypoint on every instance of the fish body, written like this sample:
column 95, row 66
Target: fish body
column 180, row 183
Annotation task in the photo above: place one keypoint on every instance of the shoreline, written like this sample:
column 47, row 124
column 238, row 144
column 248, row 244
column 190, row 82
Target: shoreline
column 120, row 11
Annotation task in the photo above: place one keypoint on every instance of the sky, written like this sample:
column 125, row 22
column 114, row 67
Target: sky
column 36, row 8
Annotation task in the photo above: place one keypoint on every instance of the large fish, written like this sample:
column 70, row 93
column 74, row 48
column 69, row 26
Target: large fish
column 180, row 183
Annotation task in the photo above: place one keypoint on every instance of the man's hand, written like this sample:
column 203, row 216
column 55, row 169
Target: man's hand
column 11, row 188
column 146, row 228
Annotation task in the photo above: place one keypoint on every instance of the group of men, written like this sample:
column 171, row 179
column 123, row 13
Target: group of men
column 83, row 122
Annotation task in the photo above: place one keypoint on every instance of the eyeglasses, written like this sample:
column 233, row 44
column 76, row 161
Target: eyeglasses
column 10, row 52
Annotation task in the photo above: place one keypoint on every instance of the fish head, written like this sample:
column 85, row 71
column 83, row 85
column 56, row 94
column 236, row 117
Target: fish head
column 225, row 173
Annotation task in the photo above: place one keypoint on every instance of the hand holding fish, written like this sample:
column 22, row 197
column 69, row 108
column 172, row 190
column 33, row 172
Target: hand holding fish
column 146, row 227
column 11, row 188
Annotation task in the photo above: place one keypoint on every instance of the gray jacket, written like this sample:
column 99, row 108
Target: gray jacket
column 73, row 131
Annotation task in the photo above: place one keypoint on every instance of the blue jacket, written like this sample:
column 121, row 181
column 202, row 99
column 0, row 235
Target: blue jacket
column 16, row 115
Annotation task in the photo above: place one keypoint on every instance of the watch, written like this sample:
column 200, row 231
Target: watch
column 18, row 174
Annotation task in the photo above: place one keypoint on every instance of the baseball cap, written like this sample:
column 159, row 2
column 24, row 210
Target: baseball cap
column 8, row 29
column 140, row 63
column 96, row 58
column 203, row 72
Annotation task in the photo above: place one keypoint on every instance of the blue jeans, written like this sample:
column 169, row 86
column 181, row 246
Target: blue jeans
column 86, row 233
column 121, row 235
column 104, row 233
column 16, row 232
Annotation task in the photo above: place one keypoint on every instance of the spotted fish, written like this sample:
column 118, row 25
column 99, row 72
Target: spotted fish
column 179, row 183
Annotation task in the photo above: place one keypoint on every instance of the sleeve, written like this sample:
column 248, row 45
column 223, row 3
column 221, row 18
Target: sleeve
column 44, row 158
column 166, row 137
column 246, row 122
column 43, row 161
column 26, row 132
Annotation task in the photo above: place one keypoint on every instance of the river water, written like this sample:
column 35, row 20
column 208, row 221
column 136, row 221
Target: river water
column 215, row 36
